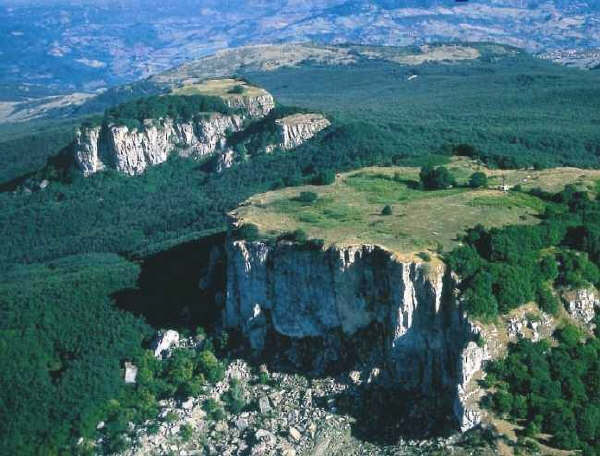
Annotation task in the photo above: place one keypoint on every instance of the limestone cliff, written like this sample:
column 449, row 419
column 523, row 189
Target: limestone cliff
column 282, row 289
column 255, row 106
column 295, row 129
column 131, row 151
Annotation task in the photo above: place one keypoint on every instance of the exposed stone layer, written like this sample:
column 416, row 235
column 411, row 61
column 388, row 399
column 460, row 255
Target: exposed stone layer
column 132, row 151
column 299, row 293
column 295, row 129
column 581, row 305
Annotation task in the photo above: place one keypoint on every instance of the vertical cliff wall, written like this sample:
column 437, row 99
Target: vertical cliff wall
column 298, row 293
column 131, row 151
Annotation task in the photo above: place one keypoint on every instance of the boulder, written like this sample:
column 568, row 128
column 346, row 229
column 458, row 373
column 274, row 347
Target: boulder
column 165, row 342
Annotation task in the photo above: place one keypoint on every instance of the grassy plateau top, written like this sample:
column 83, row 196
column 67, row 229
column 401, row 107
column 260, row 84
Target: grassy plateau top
column 351, row 210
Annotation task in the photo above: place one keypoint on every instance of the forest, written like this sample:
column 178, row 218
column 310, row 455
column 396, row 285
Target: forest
column 72, row 251
column 503, row 268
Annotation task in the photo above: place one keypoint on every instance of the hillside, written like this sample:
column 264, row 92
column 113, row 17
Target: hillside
column 135, row 255
column 67, row 44
column 349, row 276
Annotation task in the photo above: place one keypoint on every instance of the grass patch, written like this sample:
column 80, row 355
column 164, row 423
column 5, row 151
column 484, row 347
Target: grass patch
column 349, row 210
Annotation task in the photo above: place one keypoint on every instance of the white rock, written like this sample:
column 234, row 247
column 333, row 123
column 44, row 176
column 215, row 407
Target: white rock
column 263, row 405
column 188, row 405
column 241, row 424
column 295, row 434
column 582, row 306
column 131, row 371
column 265, row 436
column 165, row 342
column 302, row 293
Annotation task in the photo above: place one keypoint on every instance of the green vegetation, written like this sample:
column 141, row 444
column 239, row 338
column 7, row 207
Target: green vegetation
column 478, row 180
column 62, row 343
column 62, row 347
column 234, row 397
column 387, row 210
column 503, row 268
column 353, row 210
column 24, row 148
column 63, row 339
column 552, row 390
column 133, row 113
column 308, row 197
column 436, row 178
column 485, row 104
column 237, row 89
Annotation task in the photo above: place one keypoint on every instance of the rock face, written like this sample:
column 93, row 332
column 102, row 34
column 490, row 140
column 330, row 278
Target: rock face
column 426, row 340
column 295, row 129
column 165, row 341
column 258, row 106
column 131, row 151
column 581, row 305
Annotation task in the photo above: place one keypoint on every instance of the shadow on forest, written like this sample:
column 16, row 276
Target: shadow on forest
column 168, row 292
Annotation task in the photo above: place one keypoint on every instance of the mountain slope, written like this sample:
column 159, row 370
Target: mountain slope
column 61, row 47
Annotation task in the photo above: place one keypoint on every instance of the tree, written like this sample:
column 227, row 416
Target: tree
column 478, row 180
column 236, row 89
column 307, row 197
column 212, row 368
column 436, row 178
column 387, row 210
column 325, row 177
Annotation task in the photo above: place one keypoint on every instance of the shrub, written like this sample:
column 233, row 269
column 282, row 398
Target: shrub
column 211, row 367
column 263, row 378
column 213, row 409
column 547, row 301
column 186, row 432
column 478, row 180
column 480, row 340
column 436, row 178
column 236, row 89
column 234, row 397
column 465, row 150
column 315, row 244
column 307, row 197
column 298, row 236
column 247, row 231
column 387, row 210
column 424, row 256
column 325, row 177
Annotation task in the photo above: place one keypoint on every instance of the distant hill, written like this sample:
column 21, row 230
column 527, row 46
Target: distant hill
column 49, row 48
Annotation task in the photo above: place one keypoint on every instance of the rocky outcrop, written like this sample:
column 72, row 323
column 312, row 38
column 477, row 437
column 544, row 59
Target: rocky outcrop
column 165, row 342
column 295, row 129
column 581, row 305
column 132, row 151
column 255, row 106
column 426, row 340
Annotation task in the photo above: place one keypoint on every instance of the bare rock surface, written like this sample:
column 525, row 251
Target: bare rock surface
column 424, row 337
